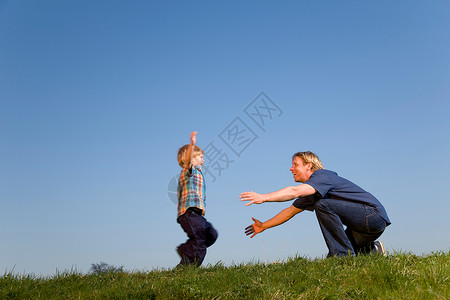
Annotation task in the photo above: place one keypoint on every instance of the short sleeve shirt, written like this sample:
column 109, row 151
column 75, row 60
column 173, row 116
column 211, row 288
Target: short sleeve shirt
column 191, row 190
column 331, row 186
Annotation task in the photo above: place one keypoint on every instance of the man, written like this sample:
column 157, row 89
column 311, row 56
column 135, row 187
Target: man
column 336, row 201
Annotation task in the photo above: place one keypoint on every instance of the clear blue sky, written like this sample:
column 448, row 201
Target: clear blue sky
column 97, row 96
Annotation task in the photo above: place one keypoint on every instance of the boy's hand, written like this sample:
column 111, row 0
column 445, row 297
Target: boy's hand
column 193, row 137
column 254, row 228
column 252, row 197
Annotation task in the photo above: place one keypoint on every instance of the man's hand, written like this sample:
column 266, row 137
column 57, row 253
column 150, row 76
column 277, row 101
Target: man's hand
column 193, row 137
column 254, row 228
column 252, row 197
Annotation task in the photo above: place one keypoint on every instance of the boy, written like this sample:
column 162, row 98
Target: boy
column 191, row 206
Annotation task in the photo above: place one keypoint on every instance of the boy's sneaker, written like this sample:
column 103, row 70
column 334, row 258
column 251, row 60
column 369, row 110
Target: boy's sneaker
column 179, row 252
column 379, row 248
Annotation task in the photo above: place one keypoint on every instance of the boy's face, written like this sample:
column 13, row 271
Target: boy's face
column 198, row 160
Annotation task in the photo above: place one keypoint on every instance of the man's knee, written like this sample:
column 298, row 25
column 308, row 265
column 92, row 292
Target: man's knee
column 321, row 206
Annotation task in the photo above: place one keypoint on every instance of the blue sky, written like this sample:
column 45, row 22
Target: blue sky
column 96, row 97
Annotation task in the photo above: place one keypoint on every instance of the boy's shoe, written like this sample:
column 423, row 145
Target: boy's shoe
column 184, row 259
column 179, row 252
column 180, row 266
column 379, row 248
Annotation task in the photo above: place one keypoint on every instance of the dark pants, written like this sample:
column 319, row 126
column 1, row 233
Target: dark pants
column 201, row 235
column 364, row 226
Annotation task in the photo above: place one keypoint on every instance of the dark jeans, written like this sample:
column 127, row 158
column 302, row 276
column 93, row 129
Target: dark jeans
column 201, row 235
column 364, row 225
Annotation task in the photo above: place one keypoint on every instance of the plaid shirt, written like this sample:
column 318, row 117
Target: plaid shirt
column 191, row 190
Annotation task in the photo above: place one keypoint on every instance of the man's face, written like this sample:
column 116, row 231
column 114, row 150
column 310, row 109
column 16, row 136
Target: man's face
column 300, row 170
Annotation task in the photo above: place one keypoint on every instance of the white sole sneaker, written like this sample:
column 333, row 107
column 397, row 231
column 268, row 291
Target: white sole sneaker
column 379, row 248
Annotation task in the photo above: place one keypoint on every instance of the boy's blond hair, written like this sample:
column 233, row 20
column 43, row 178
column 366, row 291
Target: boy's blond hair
column 182, row 160
column 309, row 157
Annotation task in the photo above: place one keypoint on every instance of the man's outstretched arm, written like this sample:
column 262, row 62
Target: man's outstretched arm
column 285, row 194
column 283, row 216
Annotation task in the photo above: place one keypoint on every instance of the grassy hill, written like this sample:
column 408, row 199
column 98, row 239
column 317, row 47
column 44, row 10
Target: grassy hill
column 398, row 276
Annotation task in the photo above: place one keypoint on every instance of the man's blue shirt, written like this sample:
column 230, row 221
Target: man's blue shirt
column 331, row 186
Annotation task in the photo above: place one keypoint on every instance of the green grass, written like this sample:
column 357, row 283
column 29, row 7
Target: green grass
column 398, row 276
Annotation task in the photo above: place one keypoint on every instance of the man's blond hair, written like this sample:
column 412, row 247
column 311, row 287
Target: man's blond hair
column 182, row 159
column 309, row 157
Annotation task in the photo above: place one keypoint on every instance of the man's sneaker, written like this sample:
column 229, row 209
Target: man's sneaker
column 379, row 248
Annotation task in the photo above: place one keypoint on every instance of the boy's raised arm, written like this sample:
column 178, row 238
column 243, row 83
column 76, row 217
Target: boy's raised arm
column 190, row 152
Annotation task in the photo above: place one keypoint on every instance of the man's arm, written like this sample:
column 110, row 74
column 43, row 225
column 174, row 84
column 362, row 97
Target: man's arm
column 285, row 194
column 285, row 215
